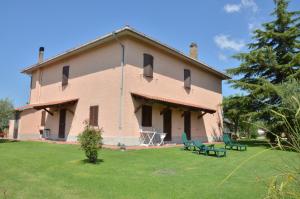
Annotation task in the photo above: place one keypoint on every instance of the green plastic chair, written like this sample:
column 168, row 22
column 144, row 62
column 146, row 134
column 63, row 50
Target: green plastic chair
column 202, row 147
column 230, row 144
column 205, row 149
column 187, row 144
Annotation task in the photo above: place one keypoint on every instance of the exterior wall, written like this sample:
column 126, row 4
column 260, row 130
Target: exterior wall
column 11, row 129
column 29, row 124
column 168, row 82
column 94, row 78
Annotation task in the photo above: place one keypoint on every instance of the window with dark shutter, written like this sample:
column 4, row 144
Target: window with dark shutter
column 187, row 78
column 148, row 65
column 31, row 85
column 146, row 116
column 94, row 115
column 65, row 75
column 43, row 118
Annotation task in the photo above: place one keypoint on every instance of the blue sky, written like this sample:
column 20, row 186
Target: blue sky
column 221, row 28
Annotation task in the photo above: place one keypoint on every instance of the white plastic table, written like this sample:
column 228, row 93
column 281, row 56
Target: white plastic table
column 147, row 137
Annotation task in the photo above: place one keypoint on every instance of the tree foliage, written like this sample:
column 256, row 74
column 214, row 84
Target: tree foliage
column 273, row 58
column 235, row 111
column 237, row 115
column 6, row 113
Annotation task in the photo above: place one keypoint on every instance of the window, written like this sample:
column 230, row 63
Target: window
column 31, row 85
column 33, row 81
column 65, row 75
column 43, row 118
column 187, row 78
column 94, row 115
column 148, row 65
column 147, row 116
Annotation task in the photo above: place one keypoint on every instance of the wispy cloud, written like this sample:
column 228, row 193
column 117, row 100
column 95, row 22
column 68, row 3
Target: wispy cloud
column 225, row 42
column 222, row 57
column 230, row 8
column 249, row 4
column 244, row 4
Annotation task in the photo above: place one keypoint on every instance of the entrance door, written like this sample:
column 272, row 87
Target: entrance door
column 62, row 123
column 187, row 124
column 167, row 124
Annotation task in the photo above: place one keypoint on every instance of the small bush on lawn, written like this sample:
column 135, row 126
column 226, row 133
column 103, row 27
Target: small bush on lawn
column 91, row 142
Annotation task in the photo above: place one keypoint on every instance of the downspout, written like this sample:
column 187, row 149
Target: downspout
column 122, row 83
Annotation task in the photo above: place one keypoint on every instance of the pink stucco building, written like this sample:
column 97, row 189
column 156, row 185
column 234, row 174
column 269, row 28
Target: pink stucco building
column 122, row 82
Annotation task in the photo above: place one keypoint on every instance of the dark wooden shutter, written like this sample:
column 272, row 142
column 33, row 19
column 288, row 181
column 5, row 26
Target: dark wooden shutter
column 148, row 65
column 94, row 115
column 65, row 75
column 187, row 78
column 43, row 118
column 146, row 116
column 31, row 81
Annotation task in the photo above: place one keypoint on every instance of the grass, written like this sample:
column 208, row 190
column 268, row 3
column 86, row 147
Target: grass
column 42, row 170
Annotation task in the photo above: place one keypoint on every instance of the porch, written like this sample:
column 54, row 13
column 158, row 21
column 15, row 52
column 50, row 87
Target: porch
column 171, row 117
column 56, row 118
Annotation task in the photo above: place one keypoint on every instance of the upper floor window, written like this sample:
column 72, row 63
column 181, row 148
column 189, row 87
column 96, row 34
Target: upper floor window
column 65, row 75
column 148, row 65
column 94, row 115
column 187, row 78
column 31, row 82
column 146, row 116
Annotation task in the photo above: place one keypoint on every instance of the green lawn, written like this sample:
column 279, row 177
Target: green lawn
column 42, row 170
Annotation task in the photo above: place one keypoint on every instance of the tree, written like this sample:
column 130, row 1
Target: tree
column 235, row 110
column 273, row 58
column 6, row 113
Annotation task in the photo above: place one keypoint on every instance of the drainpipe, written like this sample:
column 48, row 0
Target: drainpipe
column 122, row 82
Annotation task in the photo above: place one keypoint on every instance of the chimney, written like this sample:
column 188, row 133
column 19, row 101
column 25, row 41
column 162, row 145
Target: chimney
column 41, row 55
column 194, row 51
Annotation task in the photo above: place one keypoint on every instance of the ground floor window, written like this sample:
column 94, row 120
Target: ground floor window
column 146, row 116
column 94, row 115
column 43, row 118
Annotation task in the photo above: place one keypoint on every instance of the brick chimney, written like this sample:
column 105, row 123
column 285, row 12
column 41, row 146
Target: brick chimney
column 194, row 50
column 41, row 55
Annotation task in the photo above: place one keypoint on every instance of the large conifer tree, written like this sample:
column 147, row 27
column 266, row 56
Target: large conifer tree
column 273, row 57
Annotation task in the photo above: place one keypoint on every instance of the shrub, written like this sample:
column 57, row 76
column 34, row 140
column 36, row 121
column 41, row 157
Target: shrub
column 91, row 141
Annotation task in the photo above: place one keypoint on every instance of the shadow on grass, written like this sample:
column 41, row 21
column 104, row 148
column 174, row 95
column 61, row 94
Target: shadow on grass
column 86, row 161
column 196, row 152
column 255, row 143
column 7, row 141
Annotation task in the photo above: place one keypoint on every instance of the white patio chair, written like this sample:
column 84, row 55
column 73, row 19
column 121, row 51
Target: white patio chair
column 162, row 137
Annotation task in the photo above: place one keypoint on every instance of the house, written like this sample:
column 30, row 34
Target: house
column 122, row 82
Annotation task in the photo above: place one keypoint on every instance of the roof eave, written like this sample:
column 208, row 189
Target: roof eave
column 123, row 31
